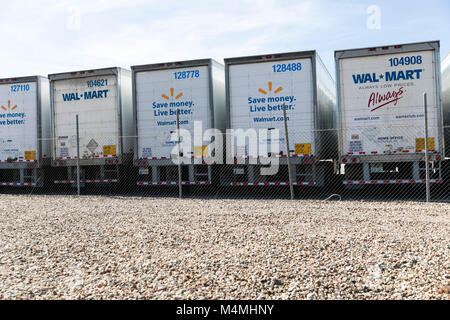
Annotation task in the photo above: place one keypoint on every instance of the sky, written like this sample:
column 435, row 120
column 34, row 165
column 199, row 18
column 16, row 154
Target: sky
column 44, row 37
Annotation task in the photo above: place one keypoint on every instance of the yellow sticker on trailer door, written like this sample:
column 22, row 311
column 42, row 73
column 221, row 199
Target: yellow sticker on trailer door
column 109, row 150
column 200, row 151
column 303, row 148
column 420, row 144
column 30, row 155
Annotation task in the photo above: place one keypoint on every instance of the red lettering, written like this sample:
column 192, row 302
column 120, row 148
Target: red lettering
column 372, row 99
column 376, row 99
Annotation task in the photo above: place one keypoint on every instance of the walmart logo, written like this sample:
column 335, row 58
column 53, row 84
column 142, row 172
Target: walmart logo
column 9, row 106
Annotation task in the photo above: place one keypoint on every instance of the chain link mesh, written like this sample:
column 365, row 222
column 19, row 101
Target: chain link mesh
column 232, row 166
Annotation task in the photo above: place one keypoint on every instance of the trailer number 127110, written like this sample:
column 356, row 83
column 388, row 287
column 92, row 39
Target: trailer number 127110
column 20, row 87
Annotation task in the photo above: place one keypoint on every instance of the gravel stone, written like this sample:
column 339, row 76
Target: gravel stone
column 89, row 247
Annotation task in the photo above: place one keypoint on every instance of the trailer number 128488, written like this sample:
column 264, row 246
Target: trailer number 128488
column 287, row 67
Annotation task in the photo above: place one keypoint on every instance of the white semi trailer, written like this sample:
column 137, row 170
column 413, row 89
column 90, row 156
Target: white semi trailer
column 381, row 113
column 102, row 100
column 196, row 90
column 25, row 138
column 257, row 89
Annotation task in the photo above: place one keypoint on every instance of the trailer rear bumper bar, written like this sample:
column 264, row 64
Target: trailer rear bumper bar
column 19, row 165
column 408, row 157
column 87, row 162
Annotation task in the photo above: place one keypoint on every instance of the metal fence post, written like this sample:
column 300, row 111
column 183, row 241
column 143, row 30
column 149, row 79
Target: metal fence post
column 427, row 169
column 180, row 186
column 291, row 183
column 78, row 156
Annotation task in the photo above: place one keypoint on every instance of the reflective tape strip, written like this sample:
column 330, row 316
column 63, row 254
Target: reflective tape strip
column 21, row 161
column 96, row 157
column 87, row 181
column 17, row 184
column 147, row 162
column 359, row 182
column 392, row 152
column 272, row 183
column 169, row 183
column 276, row 156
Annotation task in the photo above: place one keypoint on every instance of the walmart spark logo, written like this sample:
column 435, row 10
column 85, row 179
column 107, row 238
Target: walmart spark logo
column 270, row 89
column 171, row 95
column 9, row 118
column 9, row 106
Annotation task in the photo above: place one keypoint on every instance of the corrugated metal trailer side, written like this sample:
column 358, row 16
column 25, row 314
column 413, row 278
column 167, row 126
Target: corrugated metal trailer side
column 25, row 145
column 380, row 105
column 105, row 122
column 157, row 88
column 310, row 97
column 445, row 67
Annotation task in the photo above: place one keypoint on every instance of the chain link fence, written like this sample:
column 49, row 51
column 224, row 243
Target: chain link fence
column 322, row 164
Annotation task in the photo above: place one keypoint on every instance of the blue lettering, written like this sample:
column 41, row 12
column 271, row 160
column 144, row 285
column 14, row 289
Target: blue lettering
column 358, row 78
column 96, row 94
column 65, row 96
column 391, row 76
column 409, row 75
column 70, row 96
column 363, row 78
column 418, row 71
column 388, row 76
column 402, row 75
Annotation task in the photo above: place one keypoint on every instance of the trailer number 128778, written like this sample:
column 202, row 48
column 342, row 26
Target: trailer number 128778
column 186, row 74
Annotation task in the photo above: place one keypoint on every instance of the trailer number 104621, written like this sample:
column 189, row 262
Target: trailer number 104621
column 97, row 83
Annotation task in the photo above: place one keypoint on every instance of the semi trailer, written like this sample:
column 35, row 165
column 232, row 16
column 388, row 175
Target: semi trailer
column 258, row 88
column 101, row 99
column 185, row 95
column 381, row 113
column 25, row 138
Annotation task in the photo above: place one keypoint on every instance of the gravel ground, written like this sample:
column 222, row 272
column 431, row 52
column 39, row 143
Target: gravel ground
column 59, row 247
